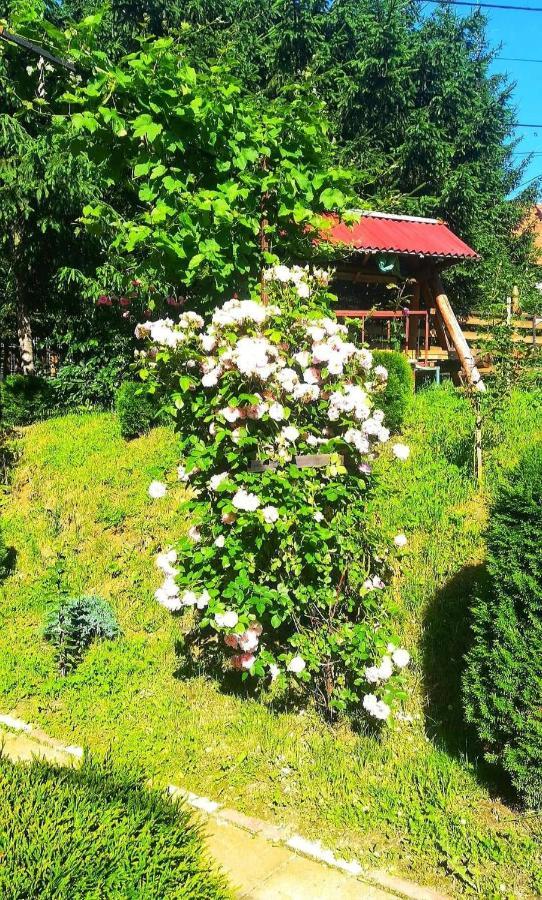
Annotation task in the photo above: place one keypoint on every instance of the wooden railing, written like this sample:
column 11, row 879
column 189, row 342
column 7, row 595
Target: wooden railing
column 528, row 329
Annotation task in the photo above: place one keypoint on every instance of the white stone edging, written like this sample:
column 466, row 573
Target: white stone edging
column 273, row 833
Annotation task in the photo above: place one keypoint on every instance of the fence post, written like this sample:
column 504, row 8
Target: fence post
column 478, row 466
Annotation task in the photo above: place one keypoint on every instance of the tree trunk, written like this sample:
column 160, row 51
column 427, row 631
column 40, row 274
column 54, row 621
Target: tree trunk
column 24, row 334
column 24, row 326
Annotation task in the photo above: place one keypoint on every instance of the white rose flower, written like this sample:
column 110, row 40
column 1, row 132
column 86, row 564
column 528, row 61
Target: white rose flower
column 372, row 675
column 182, row 474
column 216, row 480
column 400, row 540
column 276, row 412
column 296, row 665
column 194, row 534
column 316, row 333
column 172, row 603
column 227, row 620
column 274, row 671
column 230, row 413
column 157, row 489
column 290, row 433
column 164, row 561
column 385, row 669
column 303, row 290
column 375, row 707
column 282, row 273
column 303, row 358
column 312, row 375
column 203, row 600
column 245, row 501
column 208, row 342
column 248, row 641
column 220, row 541
column 401, row 451
column 401, row 658
column 270, row 514
column 189, row 598
column 210, row 379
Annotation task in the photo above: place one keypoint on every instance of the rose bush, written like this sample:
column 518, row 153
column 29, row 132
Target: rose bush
column 279, row 423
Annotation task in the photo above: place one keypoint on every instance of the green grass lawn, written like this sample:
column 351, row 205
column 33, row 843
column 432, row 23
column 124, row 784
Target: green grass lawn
column 415, row 800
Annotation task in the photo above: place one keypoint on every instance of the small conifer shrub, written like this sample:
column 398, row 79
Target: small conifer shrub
column 73, row 626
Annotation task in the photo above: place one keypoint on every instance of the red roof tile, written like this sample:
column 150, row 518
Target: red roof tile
column 387, row 233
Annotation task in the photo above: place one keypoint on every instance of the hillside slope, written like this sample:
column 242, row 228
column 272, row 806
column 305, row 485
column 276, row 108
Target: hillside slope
column 81, row 521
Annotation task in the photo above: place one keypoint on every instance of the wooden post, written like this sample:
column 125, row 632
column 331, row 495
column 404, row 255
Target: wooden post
column 478, row 470
column 456, row 335
column 412, row 340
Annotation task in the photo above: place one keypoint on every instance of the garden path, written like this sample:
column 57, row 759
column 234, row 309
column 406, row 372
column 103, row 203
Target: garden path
column 259, row 861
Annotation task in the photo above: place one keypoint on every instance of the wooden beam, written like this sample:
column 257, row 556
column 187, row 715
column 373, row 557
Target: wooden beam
column 414, row 306
column 454, row 331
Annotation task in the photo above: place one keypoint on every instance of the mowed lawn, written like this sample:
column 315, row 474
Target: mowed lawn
column 415, row 799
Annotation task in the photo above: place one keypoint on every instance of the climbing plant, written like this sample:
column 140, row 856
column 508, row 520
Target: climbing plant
column 278, row 417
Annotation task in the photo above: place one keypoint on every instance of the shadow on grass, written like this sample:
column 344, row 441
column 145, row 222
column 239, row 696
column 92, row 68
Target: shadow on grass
column 446, row 641
column 230, row 682
column 7, row 563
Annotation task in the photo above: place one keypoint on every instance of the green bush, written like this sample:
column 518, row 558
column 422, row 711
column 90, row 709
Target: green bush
column 503, row 677
column 25, row 399
column 96, row 832
column 75, row 624
column 135, row 409
column 399, row 389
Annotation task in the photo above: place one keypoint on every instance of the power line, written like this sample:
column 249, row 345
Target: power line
column 529, row 181
column 487, row 5
column 517, row 59
column 523, row 125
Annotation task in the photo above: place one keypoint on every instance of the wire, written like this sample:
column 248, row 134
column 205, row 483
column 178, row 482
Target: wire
column 487, row 5
column 517, row 59
column 529, row 181
column 523, row 125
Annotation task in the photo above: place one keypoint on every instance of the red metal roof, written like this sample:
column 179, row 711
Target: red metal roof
column 386, row 233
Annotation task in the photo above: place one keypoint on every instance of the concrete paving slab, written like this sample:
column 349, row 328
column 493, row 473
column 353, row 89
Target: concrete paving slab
column 21, row 748
column 305, row 879
column 247, row 859
column 259, row 870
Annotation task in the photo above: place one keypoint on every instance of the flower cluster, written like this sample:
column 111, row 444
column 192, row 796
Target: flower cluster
column 262, row 387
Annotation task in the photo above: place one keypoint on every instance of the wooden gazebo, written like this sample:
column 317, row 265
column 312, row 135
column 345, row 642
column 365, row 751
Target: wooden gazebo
column 408, row 254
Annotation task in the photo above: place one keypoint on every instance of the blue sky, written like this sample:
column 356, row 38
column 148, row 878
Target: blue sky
column 520, row 34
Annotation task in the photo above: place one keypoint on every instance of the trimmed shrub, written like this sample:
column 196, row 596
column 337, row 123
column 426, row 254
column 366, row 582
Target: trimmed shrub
column 397, row 394
column 26, row 399
column 96, row 832
column 75, row 624
column 503, row 677
column 135, row 409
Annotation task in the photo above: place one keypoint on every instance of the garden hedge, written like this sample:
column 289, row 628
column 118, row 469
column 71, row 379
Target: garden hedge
column 96, row 832
column 136, row 411
column 503, row 677
column 25, row 399
column 399, row 388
